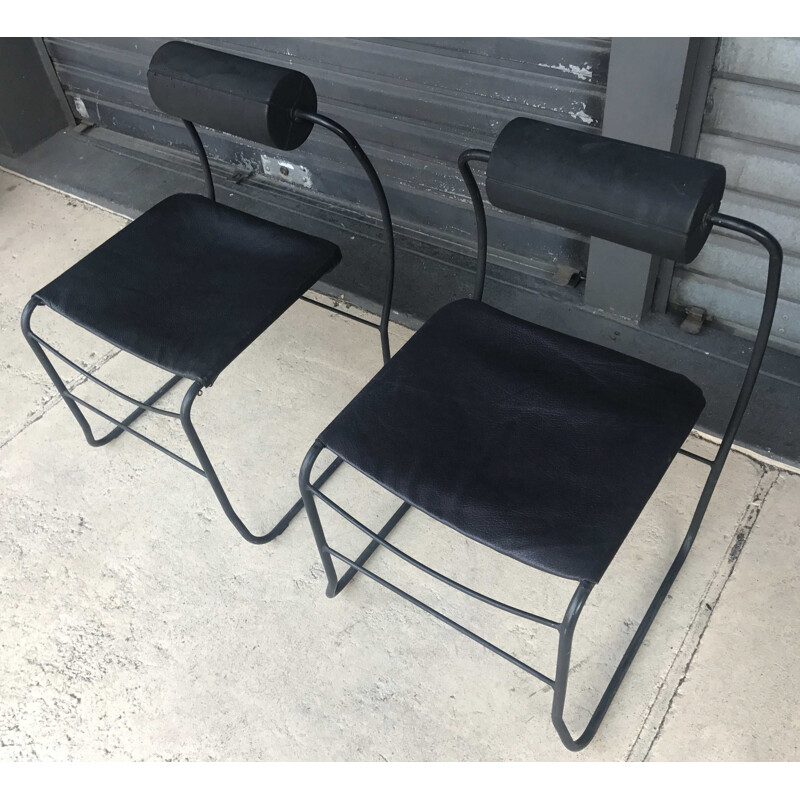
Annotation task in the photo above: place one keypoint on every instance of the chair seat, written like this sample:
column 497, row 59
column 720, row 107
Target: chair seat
column 544, row 447
column 190, row 284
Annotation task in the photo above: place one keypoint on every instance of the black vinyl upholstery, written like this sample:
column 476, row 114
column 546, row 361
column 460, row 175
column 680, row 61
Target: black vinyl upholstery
column 638, row 196
column 247, row 98
column 190, row 284
column 542, row 446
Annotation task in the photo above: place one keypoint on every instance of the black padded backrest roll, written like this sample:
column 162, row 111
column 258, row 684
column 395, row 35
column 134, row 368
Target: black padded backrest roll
column 228, row 93
column 637, row 196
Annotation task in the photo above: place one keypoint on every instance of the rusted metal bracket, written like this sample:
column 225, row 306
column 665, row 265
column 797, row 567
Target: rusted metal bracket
column 696, row 317
column 81, row 127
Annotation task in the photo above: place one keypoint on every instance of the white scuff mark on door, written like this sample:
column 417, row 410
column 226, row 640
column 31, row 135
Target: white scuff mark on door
column 582, row 115
column 531, row 104
column 583, row 73
column 80, row 107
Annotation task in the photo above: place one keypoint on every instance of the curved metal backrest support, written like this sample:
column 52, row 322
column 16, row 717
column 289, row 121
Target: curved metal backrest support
column 773, row 248
column 480, row 213
column 386, row 217
column 377, row 187
column 201, row 151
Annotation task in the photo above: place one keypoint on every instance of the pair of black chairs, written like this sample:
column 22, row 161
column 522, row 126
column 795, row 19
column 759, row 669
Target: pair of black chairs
column 538, row 445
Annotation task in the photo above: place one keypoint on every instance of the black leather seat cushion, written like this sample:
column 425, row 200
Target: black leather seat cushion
column 541, row 446
column 190, row 284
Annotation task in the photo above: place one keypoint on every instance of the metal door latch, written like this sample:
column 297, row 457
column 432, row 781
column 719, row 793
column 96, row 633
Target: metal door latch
column 282, row 170
column 241, row 176
column 568, row 276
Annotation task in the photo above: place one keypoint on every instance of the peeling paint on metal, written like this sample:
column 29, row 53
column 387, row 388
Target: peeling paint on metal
column 582, row 115
column 583, row 73
column 80, row 107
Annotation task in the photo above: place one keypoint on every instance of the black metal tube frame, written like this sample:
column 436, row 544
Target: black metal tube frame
column 386, row 219
column 566, row 627
column 383, row 205
column 206, row 469
column 480, row 213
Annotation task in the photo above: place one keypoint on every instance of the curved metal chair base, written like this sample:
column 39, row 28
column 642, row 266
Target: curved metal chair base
column 206, row 469
column 566, row 628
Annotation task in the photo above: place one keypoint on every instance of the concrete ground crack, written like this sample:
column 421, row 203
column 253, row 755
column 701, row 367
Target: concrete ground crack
column 56, row 399
column 678, row 670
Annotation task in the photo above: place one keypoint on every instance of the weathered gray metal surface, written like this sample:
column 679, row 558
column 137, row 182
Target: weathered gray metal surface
column 413, row 103
column 645, row 104
column 30, row 105
column 752, row 126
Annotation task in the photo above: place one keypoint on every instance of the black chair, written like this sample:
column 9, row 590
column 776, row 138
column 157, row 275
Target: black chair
column 541, row 446
column 191, row 283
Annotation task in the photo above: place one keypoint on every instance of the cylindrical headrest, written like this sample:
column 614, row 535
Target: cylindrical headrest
column 647, row 199
column 233, row 94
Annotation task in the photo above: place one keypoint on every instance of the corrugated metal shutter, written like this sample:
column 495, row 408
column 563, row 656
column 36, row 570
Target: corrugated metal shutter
column 414, row 104
column 752, row 126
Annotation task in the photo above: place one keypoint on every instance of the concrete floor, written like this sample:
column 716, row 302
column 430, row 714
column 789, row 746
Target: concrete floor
column 136, row 624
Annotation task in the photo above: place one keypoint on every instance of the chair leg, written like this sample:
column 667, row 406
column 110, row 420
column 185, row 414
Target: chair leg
column 336, row 583
column 567, row 629
column 313, row 517
column 185, row 416
column 208, row 469
column 364, row 555
column 65, row 393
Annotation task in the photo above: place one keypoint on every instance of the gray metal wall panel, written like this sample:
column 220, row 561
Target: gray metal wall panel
column 752, row 126
column 413, row 103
